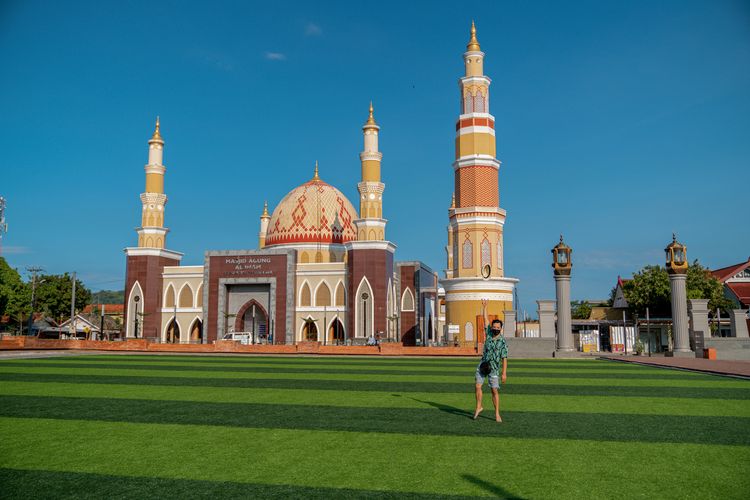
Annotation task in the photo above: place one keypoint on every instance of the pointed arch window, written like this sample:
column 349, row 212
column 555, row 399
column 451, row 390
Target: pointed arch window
column 323, row 295
column 499, row 254
column 479, row 102
column 186, row 296
column 407, row 300
column 305, row 299
column 467, row 105
column 486, row 253
column 468, row 255
column 340, row 295
column 169, row 300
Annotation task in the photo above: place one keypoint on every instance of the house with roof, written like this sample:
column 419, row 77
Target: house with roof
column 736, row 281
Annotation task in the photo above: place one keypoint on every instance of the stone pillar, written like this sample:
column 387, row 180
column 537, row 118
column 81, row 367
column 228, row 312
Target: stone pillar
column 738, row 320
column 679, row 316
column 564, row 332
column 546, row 311
column 509, row 325
column 698, row 310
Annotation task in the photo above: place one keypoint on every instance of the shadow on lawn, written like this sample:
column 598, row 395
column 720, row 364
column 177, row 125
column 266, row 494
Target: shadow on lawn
column 491, row 488
column 446, row 408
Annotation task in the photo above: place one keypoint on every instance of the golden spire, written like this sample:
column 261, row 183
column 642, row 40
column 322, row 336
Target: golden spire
column 316, row 177
column 157, row 135
column 265, row 209
column 453, row 201
column 371, row 118
column 473, row 45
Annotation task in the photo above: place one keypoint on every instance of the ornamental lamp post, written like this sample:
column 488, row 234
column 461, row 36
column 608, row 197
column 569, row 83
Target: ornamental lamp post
column 561, row 264
column 677, row 266
column 136, row 299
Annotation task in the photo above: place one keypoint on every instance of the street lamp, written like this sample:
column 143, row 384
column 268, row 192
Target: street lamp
column 677, row 266
column 136, row 299
column 561, row 263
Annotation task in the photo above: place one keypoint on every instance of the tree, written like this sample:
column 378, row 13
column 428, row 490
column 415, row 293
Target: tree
column 650, row 288
column 53, row 296
column 108, row 297
column 580, row 309
column 15, row 295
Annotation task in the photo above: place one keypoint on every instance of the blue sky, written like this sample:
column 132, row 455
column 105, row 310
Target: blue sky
column 617, row 124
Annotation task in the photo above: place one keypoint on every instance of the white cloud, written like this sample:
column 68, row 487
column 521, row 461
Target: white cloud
column 313, row 29
column 275, row 56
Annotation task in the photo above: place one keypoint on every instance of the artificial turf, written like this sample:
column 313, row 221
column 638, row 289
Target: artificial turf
column 135, row 426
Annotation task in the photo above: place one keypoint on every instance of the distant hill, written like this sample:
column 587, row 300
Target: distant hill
column 108, row 297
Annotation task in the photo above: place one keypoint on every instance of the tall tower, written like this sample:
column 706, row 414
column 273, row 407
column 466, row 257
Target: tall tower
column 265, row 218
column 145, row 263
column 371, row 225
column 152, row 233
column 475, row 257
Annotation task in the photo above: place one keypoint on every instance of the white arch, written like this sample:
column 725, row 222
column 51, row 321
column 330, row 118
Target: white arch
column 407, row 295
column 364, row 286
column 166, row 292
column 302, row 328
column 134, row 290
column 299, row 294
column 190, row 328
column 163, row 334
column 192, row 295
column 315, row 295
column 330, row 324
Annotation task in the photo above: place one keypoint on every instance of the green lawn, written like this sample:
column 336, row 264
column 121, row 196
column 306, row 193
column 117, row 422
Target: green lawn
column 135, row 426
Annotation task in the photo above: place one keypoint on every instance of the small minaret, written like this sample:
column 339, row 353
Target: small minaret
column 450, row 249
column 371, row 225
column 152, row 233
column 264, row 219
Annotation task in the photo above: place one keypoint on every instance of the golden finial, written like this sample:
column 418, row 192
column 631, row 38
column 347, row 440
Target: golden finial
column 157, row 135
column 316, row 177
column 473, row 45
column 453, row 200
column 265, row 209
column 371, row 118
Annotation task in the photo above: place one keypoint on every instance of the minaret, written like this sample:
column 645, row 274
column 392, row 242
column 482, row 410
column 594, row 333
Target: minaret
column 152, row 233
column 371, row 225
column 450, row 249
column 146, row 262
column 475, row 259
column 264, row 219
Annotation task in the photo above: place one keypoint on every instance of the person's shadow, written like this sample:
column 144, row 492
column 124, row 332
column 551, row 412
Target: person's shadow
column 446, row 408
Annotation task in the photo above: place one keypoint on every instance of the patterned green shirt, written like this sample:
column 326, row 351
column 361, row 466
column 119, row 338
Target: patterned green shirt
column 495, row 349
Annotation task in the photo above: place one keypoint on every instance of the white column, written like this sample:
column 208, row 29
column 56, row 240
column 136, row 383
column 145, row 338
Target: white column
column 698, row 309
column 546, row 312
column 564, row 332
column 679, row 315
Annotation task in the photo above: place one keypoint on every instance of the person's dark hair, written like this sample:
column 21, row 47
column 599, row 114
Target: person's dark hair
column 495, row 321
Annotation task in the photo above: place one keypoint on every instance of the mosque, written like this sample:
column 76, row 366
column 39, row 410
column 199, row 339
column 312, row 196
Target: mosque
column 325, row 272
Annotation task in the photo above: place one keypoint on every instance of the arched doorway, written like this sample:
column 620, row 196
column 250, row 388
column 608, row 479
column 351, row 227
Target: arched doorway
column 196, row 331
column 336, row 332
column 252, row 318
column 310, row 331
column 173, row 332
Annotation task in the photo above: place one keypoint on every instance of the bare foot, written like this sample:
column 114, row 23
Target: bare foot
column 498, row 419
column 477, row 412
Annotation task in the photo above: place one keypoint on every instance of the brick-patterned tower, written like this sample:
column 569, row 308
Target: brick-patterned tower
column 475, row 257
column 145, row 263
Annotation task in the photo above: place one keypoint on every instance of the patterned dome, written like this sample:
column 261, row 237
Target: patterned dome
column 314, row 212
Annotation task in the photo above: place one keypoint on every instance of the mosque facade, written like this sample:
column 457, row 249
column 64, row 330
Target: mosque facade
column 323, row 270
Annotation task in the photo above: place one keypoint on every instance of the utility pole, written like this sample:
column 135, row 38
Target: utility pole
column 73, row 307
column 33, row 271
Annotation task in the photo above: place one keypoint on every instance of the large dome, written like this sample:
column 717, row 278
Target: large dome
column 314, row 212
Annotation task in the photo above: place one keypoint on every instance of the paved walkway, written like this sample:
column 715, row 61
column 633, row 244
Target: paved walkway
column 718, row 367
column 43, row 354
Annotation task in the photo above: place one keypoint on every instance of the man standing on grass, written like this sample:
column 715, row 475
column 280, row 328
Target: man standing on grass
column 495, row 350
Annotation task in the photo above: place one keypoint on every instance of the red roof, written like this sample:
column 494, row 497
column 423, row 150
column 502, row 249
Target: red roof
column 725, row 273
column 741, row 290
column 108, row 308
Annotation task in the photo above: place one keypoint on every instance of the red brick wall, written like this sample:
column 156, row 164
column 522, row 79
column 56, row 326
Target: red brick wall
column 377, row 266
column 408, row 318
column 226, row 266
column 147, row 270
